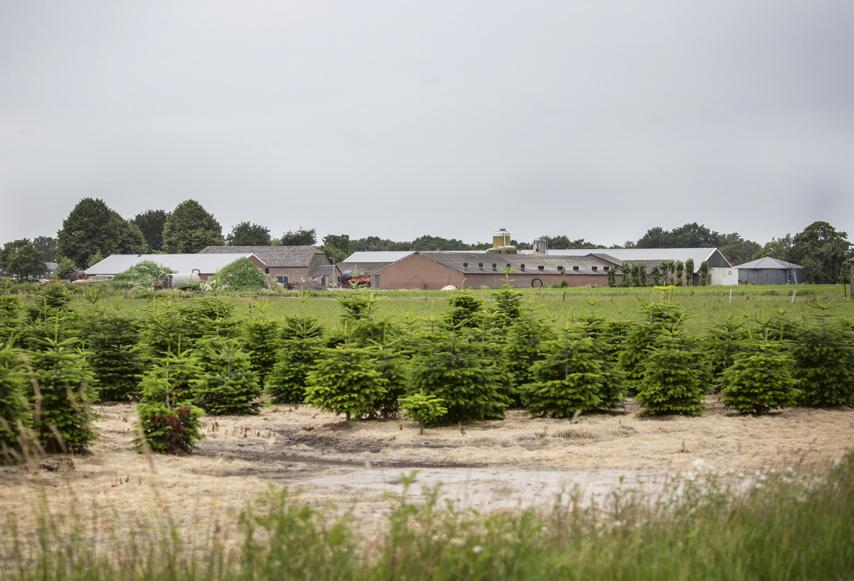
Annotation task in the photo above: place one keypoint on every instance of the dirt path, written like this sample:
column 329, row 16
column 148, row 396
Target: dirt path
column 520, row 461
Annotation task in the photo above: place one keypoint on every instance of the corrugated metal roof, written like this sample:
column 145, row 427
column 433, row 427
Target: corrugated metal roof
column 204, row 263
column 374, row 256
column 768, row 263
column 274, row 256
column 698, row 255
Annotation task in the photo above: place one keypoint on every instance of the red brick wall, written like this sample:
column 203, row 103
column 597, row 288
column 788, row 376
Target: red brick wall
column 416, row 272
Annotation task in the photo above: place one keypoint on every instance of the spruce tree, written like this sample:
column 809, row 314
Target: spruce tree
column 111, row 338
column 189, row 228
column 721, row 344
column 62, row 396
column 568, row 380
column 522, row 348
column 15, row 418
column 760, row 381
column 261, row 339
column 168, row 420
column 660, row 319
column 824, row 364
column 10, row 308
column 453, row 366
column 347, row 380
column 227, row 385
column 672, row 381
column 508, row 304
column 466, row 310
column 423, row 408
column 301, row 345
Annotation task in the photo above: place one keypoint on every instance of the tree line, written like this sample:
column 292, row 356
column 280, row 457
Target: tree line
column 92, row 231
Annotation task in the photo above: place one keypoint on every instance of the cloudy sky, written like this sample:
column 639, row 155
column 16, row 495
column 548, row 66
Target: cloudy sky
column 594, row 119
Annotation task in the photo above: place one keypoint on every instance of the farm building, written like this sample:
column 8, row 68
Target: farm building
column 366, row 263
column 651, row 257
column 768, row 270
column 205, row 265
column 290, row 265
column 434, row 270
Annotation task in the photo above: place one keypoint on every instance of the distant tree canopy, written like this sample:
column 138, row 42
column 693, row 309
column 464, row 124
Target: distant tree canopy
column 823, row 251
column 151, row 224
column 249, row 234
column 563, row 242
column 693, row 235
column 21, row 259
column 299, row 238
column 190, row 228
column 336, row 246
column 47, row 246
column 92, row 228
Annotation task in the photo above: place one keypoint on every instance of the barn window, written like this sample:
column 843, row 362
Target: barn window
column 575, row 268
column 494, row 266
column 465, row 264
column 540, row 267
column 266, row 271
column 595, row 268
column 561, row 268
column 522, row 267
column 607, row 268
column 480, row 265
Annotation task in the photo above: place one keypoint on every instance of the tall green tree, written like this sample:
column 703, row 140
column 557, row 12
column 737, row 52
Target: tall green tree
column 299, row 237
column 336, row 246
column 22, row 260
column 190, row 228
column 47, row 246
column 822, row 250
column 151, row 223
column 249, row 234
column 92, row 228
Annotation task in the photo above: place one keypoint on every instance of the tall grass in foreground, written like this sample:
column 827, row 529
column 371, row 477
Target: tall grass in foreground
column 783, row 526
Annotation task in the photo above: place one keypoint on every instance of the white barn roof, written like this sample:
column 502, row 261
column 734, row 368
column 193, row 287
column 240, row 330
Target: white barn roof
column 375, row 256
column 204, row 263
column 699, row 255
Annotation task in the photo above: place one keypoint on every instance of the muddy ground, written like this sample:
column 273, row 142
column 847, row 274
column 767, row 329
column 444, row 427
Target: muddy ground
column 520, row 461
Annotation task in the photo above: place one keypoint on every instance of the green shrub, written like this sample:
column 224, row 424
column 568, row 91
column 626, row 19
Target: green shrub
column 227, row 384
column 242, row 275
column 169, row 430
column 145, row 274
column 347, row 380
column 111, row 338
column 567, row 380
column 301, row 346
column 62, row 397
column 453, row 366
column 170, row 380
column 423, row 408
column 660, row 319
column 261, row 339
column 165, row 329
column 15, row 417
column 672, row 381
column 824, row 364
column 357, row 305
column 760, row 381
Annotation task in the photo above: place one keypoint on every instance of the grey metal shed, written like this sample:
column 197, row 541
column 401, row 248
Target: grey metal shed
column 768, row 270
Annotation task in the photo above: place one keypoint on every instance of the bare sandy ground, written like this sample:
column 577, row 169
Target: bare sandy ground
column 520, row 461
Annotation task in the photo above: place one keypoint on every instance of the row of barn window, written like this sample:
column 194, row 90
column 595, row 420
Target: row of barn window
column 540, row 267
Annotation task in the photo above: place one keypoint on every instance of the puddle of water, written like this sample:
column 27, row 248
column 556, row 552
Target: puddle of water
column 487, row 489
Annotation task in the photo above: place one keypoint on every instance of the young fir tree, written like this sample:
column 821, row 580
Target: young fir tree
column 523, row 348
column 453, row 366
column 261, row 339
column 568, row 380
column 62, row 396
column 111, row 338
column 347, row 380
column 10, row 308
column 164, row 330
column 720, row 346
column 423, row 408
column 508, row 304
column 15, row 418
column 672, row 381
column 760, row 381
column 824, row 364
column 227, row 385
column 466, row 310
column 606, row 340
column 660, row 319
column 301, row 346
column 168, row 420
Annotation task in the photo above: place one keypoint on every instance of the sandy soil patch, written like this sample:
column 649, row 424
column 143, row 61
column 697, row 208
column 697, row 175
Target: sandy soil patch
column 520, row 461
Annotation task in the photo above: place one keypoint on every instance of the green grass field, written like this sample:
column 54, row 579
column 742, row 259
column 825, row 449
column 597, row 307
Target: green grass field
column 705, row 305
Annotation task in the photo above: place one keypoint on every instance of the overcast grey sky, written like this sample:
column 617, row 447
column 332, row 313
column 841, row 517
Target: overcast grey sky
column 595, row 118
